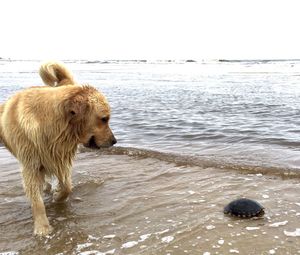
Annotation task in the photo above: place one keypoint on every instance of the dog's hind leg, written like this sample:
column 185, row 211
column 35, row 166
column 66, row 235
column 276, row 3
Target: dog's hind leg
column 47, row 187
column 33, row 184
column 64, row 187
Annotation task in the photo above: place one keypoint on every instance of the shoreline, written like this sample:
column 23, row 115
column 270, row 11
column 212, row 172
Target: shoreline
column 200, row 161
column 191, row 161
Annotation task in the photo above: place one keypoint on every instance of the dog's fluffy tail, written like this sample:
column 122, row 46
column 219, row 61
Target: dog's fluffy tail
column 56, row 74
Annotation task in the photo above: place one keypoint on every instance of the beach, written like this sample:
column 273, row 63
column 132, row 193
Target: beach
column 125, row 202
column 192, row 137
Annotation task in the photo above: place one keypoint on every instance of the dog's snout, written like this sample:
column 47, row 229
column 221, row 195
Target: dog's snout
column 113, row 141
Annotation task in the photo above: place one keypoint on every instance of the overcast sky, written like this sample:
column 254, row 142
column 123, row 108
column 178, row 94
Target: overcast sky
column 150, row 29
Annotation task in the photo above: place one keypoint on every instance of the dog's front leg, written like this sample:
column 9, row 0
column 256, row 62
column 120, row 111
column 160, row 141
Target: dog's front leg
column 33, row 184
column 41, row 222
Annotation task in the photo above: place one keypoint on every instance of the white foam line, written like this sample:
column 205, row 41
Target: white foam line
column 277, row 224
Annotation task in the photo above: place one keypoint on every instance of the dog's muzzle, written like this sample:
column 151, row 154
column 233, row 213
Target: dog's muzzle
column 93, row 145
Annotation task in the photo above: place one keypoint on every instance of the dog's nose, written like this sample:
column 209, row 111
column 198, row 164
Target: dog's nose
column 114, row 141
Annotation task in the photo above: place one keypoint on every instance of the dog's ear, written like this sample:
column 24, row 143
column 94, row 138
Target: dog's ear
column 76, row 108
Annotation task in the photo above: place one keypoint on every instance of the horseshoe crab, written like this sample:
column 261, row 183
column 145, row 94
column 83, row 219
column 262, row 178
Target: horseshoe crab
column 244, row 208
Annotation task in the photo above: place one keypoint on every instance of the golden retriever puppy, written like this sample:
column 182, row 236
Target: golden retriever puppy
column 42, row 126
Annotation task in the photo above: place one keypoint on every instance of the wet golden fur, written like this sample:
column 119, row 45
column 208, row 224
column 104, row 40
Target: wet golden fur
column 42, row 126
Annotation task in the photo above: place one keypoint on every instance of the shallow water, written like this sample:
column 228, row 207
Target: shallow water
column 193, row 137
column 125, row 202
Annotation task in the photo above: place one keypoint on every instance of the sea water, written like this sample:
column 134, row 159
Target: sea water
column 192, row 136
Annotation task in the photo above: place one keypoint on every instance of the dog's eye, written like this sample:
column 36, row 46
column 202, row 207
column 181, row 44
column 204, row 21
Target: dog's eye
column 104, row 119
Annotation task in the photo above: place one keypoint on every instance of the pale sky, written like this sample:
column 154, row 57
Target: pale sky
column 150, row 29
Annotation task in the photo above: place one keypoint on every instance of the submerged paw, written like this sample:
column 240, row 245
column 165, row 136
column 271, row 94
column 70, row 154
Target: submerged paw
column 42, row 230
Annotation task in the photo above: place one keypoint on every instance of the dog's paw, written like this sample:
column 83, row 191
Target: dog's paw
column 42, row 229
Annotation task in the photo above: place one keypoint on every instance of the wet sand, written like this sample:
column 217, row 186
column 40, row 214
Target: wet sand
column 130, row 203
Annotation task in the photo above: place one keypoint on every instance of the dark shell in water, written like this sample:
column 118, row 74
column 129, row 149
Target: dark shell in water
column 245, row 208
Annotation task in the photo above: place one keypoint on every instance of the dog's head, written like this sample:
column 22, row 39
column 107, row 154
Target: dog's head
column 88, row 114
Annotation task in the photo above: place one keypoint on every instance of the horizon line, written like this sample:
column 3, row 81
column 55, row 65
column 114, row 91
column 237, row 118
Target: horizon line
column 191, row 60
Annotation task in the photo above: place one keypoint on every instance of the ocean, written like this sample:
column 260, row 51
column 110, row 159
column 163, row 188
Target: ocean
column 192, row 136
